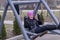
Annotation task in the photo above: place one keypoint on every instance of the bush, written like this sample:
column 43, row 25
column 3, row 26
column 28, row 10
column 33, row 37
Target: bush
column 16, row 28
column 40, row 18
column 3, row 32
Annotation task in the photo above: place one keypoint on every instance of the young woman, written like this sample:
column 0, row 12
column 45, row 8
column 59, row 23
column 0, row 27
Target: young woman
column 32, row 24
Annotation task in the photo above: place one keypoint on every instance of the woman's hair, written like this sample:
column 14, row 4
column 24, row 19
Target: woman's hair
column 30, row 13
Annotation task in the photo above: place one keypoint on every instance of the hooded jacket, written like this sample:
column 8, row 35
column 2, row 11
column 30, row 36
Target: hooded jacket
column 31, row 23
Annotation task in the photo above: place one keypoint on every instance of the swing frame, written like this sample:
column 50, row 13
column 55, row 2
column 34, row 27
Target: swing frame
column 11, row 4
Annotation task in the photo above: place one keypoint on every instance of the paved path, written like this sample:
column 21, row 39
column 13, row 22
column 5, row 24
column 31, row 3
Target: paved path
column 45, row 37
column 11, row 22
column 49, row 37
column 8, row 22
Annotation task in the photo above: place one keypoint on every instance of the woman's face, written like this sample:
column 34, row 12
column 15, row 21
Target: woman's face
column 31, row 16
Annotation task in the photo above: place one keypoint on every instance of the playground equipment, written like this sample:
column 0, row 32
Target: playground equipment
column 11, row 4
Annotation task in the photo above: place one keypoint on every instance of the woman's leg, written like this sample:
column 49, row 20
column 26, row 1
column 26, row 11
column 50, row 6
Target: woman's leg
column 45, row 28
column 51, row 27
column 40, row 29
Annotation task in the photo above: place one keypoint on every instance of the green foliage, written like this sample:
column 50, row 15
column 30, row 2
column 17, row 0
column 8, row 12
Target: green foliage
column 16, row 28
column 3, row 31
column 42, row 18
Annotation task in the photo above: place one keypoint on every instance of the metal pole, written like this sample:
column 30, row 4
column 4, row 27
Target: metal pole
column 18, row 20
column 36, row 8
column 50, row 12
column 24, row 2
column 55, row 32
column 3, row 16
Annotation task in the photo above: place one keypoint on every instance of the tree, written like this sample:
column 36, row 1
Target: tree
column 3, row 32
column 41, row 16
column 16, row 28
